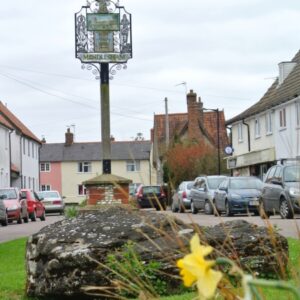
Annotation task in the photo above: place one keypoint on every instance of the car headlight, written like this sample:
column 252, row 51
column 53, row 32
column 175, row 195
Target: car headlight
column 235, row 196
column 294, row 192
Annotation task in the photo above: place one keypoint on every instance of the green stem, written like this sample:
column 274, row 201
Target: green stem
column 227, row 261
column 276, row 285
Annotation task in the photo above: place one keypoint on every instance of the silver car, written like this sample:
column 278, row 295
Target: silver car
column 181, row 199
column 202, row 193
column 52, row 201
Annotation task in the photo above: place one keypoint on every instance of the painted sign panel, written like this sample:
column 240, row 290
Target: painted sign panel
column 103, row 22
column 105, row 57
column 104, row 41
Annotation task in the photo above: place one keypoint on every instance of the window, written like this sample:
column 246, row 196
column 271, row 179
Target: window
column 270, row 174
column 28, row 148
column 269, row 128
column 257, row 127
column 6, row 140
column 33, row 150
column 84, row 167
column 45, row 167
column 298, row 114
column 282, row 118
column 81, row 190
column 240, row 132
column 46, row 187
column 24, row 182
column 133, row 165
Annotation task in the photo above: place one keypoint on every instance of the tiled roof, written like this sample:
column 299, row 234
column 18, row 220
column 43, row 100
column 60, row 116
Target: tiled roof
column 276, row 94
column 5, row 123
column 16, row 123
column 178, row 124
column 133, row 150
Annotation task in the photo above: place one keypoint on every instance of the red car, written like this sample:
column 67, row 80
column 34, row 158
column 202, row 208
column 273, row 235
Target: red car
column 16, row 208
column 35, row 207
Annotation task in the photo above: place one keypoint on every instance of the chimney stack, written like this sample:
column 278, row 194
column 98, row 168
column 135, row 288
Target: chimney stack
column 195, row 115
column 69, row 138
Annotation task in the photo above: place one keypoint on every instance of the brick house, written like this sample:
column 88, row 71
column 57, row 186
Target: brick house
column 198, row 123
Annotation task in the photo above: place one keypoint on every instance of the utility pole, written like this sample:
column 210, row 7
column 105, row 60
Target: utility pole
column 167, row 124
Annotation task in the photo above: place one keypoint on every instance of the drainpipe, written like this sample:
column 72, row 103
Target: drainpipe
column 230, row 129
column 21, row 160
column 248, row 130
column 9, row 153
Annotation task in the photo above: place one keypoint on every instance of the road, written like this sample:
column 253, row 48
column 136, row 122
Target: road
column 288, row 228
column 15, row 231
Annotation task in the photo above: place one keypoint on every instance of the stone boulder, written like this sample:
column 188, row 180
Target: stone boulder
column 64, row 258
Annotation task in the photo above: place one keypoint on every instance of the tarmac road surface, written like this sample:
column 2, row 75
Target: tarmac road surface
column 15, row 231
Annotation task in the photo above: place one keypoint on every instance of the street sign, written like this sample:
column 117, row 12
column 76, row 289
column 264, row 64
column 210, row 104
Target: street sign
column 103, row 33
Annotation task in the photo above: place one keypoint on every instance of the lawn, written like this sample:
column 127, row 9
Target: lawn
column 12, row 272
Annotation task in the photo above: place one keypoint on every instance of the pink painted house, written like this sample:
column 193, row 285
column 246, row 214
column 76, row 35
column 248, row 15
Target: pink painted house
column 51, row 176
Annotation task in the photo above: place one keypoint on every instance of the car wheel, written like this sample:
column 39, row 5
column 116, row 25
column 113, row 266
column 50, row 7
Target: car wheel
column 228, row 212
column 174, row 208
column 33, row 216
column 193, row 208
column 5, row 221
column 20, row 220
column 285, row 209
column 43, row 216
column 26, row 218
column 208, row 210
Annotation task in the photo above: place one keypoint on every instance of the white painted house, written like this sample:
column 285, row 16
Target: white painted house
column 270, row 129
column 19, row 149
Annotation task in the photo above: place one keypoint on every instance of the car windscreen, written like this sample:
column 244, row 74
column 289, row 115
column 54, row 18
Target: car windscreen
column 214, row 183
column 8, row 194
column 292, row 174
column 151, row 189
column 245, row 183
column 190, row 185
column 48, row 195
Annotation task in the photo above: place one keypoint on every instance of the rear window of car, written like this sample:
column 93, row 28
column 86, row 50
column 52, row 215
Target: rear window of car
column 214, row 183
column 151, row 189
column 245, row 183
column 190, row 185
column 292, row 174
column 8, row 194
column 48, row 194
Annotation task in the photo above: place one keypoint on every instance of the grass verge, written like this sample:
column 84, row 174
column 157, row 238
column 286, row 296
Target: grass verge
column 12, row 272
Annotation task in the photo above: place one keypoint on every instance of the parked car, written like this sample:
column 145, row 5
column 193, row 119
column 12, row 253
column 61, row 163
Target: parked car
column 181, row 198
column 35, row 207
column 16, row 208
column 281, row 191
column 148, row 196
column 3, row 214
column 52, row 201
column 203, row 192
column 238, row 195
column 133, row 188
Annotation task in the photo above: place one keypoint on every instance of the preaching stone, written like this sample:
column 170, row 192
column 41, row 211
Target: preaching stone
column 66, row 257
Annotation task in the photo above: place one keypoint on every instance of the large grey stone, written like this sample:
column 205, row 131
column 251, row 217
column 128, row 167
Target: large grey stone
column 63, row 257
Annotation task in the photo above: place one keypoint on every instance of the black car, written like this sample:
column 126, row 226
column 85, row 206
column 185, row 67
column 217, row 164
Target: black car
column 281, row 191
column 238, row 195
column 151, row 196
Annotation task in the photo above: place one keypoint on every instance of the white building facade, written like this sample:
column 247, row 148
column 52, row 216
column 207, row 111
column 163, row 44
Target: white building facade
column 4, row 154
column 269, row 130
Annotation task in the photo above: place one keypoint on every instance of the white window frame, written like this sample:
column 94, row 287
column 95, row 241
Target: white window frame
column 257, row 127
column 6, row 139
column 240, row 132
column 24, row 146
column 84, row 167
column 282, row 118
column 269, row 124
column 29, row 148
column 45, row 167
column 45, row 187
column 83, row 190
column 133, row 165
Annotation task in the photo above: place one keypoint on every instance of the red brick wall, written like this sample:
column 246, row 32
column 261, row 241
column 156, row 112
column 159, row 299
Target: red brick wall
column 96, row 194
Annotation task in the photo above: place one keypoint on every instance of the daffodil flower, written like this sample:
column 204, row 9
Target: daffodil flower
column 195, row 269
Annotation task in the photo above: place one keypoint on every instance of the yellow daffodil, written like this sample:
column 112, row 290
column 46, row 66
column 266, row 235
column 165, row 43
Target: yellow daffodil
column 194, row 268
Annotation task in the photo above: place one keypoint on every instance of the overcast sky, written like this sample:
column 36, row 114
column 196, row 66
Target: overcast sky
column 227, row 51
